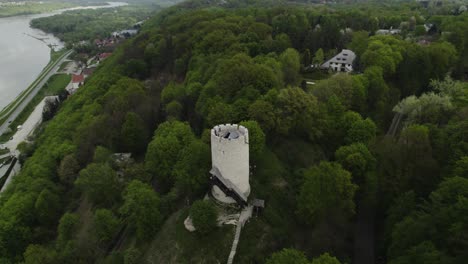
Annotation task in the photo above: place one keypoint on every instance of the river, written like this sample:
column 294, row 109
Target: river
column 25, row 51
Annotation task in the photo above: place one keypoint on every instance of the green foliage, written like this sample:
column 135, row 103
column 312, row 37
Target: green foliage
column 68, row 170
column 359, row 42
column 47, row 207
column 296, row 111
column 419, row 30
column 363, row 131
column 134, row 133
column 137, row 171
column 378, row 89
column 172, row 92
column 449, row 87
column 136, row 68
column 263, row 112
column 256, row 138
column 288, row 256
column 100, row 183
column 384, row 52
column 461, row 167
column 425, row 252
column 240, row 76
column 165, row 150
column 105, row 226
column 132, row 256
column 357, row 159
column 37, row 254
column 102, row 154
column 205, row 66
column 327, row 190
column 141, row 209
column 428, row 108
column 407, row 164
column 174, row 110
column 191, row 169
column 442, row 56
column 350, row 90
column 204, row 216
column 306, row 58
column 67, row 227
column 401, row 207
column 290, row 61
column 445, row 209
column 417, row 153
column 319, row 57
column 325, row 259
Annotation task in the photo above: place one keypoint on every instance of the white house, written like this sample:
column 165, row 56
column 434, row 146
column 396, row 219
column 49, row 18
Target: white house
column 343, row 62
column 390, row 31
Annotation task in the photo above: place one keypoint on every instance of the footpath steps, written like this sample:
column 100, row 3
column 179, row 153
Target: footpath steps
column 243, row 218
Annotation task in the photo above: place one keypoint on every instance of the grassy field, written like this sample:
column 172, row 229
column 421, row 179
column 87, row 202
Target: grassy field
column 316, row 75
column 54, row 86
column 4, row 151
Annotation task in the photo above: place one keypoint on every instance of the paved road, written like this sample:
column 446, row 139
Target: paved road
column 29, row 126
column 33, row 93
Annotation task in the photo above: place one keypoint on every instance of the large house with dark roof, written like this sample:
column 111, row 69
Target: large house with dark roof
column 343, row 62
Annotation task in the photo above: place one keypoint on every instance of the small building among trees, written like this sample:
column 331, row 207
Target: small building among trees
column 343, row 62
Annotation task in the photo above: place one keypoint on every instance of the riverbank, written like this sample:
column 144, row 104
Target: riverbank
column 7, row 109
column 26, row 51
column 11, row 112
column 54, row 57
column 55, row 85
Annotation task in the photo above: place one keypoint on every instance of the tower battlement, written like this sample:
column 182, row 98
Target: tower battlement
column 230, row 132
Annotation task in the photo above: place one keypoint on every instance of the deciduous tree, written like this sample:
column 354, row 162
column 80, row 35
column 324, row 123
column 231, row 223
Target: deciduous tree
column 325, row 259
column 105, row 226
column 141, row 209
column 288, row 256
column 100, row 183
column 327, row 190
column 204, row 216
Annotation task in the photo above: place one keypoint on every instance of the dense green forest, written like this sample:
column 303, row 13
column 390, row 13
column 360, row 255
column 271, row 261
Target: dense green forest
column 321, row 156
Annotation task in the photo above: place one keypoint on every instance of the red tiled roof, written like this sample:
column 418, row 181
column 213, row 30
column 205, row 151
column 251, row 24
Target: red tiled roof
column 77, row 78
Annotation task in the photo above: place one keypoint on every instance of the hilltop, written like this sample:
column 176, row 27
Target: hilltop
column 338, row 188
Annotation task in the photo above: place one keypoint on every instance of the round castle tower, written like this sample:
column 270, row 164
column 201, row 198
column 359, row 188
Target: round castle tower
column 230, row 156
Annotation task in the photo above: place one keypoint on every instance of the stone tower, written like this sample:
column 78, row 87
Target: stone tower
column 230, row 159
